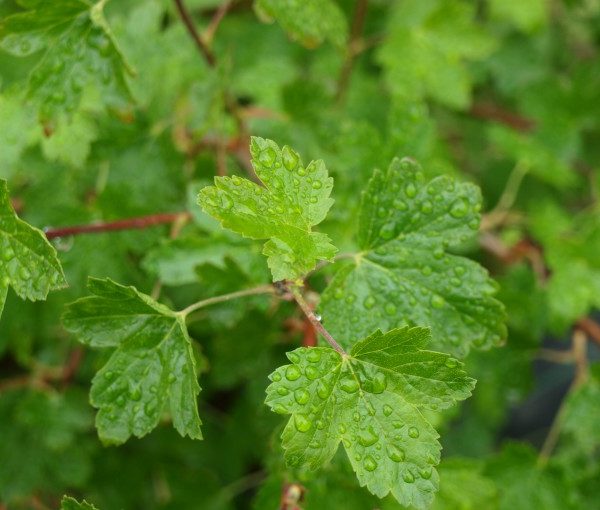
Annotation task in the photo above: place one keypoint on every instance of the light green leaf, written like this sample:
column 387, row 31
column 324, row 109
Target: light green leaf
column 522, row 484
column 294, row 199
column 78, row 50
column 404, row 274
column 370, row 400
column 28, row 262
column 152, row 369
column 69, row 503
column 427, row 47
column 308, row 21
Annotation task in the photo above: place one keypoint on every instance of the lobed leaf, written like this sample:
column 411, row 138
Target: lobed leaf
column 28, row 262
column 308, row 21
column 404, row 275
column 78, row 50
column 370, row 400
column 152, row 369
column 69, row 503
column 294, row 199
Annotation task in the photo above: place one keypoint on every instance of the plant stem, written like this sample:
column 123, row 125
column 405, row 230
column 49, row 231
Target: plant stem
column 191, row 28
column 127, row 224
column 497, row 215
column 358, row 22
column 220, row 13
column 495, row 113
column 313, row 319
column 579, row 351
column 262, row 289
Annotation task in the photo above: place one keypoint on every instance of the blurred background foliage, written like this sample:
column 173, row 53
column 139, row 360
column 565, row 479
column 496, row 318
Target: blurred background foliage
column 503, row 93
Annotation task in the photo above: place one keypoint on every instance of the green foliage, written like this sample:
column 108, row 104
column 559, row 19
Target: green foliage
column 308, row 21
column 369, row 401
column 78, row 49
column 405, row 227
column 295, row 199
column 159, row 133
column 152, row 369
column 29, row 263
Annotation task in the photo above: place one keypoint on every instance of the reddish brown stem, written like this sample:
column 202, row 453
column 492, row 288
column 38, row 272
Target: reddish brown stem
column 191, row 28
column 590, row 327
column 495, row 113
column 358, row 22
column 127, row 224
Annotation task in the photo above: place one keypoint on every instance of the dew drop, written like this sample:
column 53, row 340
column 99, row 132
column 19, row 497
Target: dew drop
column 276, row 376
column 320, row 424
column 302, row 423
column 426, row 207
column 323, row 391
column 267, row 157
column 459, row 208
column 398, row 424
column 317, row 184
column 381, row 212
column 451, row 363
column 400, row 205
column 283, row 391
column 356, row 416
column 350, row 298
column 410, row 190
column 109, row 376
column 301, row 172
column 349, row 385
column 387, row 231
column 313, row 355
column 367, row 437
column 280, row 409
column 24, row 273
column 311, row 372
column 459, row 271
column 293, row 357
column 8, row 254
column 135, row 394
column 150, row 408
column 341, row 428
column 426, row 270
column 338, row 293
column 437, row 301
column 395, row 453
column 387, row 410
column 408, row 477
column 370, row 463
column 290, row 158
column 425, row 473
column 313, row 200
column 292, row 373
column 301, row 396
column 314, row 444
column 413, row 432
column 120, row 401
column 369, row 302
column 171, row 378
column 390, row 309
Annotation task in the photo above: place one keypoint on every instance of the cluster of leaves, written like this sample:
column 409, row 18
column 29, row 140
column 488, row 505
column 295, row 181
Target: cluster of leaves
column 450, row 150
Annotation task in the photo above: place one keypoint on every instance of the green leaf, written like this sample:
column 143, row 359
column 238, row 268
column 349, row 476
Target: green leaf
column 522, row 484
column 308, row 21
column 69, row 503
column 404, row 274
column 425, row 52
column 28, row 262
column 78, row 50
column 371, row 401
column 294, row 199
column 152, row 369
column 464, row 487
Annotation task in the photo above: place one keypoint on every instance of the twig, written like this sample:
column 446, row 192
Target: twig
column 590, row 327
column 579, row 350
column 211, row 30
column 495, row 113
column 191, row 28
column 127, row 224
column 313, row 319
column 499, row 213
column 262, row 289
column 358, row 22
